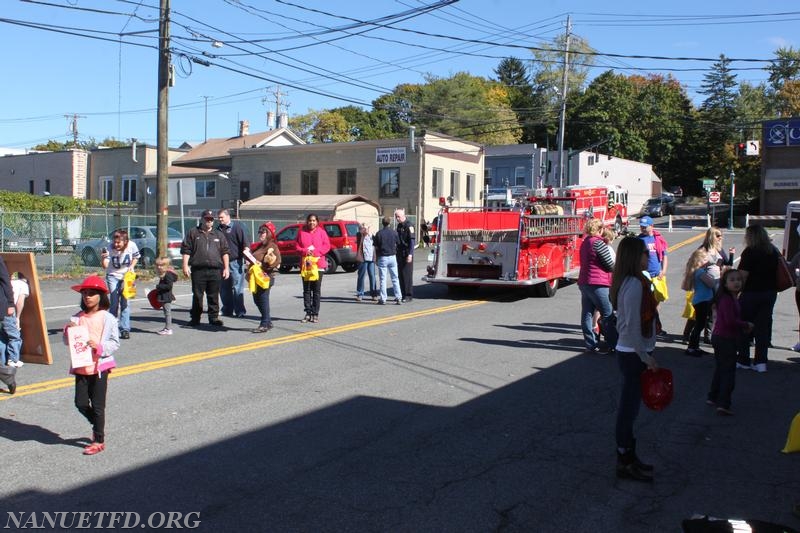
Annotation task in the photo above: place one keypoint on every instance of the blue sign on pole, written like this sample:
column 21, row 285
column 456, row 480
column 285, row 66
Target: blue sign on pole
column 782, row 132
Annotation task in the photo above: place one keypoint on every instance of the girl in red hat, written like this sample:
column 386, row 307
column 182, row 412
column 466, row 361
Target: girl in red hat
column 91, row 382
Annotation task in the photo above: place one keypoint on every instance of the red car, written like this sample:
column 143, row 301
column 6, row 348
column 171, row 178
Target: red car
column 342, row 234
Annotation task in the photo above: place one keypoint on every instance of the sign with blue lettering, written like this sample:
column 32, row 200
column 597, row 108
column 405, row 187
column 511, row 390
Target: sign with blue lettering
column 782, row 132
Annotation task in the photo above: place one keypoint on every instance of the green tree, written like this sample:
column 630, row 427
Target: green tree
column 513, row 75
column 718, row 127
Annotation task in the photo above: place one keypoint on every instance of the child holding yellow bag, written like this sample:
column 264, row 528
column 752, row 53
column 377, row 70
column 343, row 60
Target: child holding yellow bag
column 119, row 260
column 267, row 257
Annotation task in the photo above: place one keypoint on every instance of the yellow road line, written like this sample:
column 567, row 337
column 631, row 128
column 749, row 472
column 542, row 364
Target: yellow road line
column 44, row 386
column 687, row 241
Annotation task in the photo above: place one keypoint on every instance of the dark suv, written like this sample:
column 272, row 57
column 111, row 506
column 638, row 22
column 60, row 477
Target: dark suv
column 342, row 234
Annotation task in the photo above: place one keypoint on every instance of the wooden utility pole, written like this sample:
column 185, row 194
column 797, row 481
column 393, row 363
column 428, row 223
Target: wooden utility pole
column 563, row 114
column 162, row 139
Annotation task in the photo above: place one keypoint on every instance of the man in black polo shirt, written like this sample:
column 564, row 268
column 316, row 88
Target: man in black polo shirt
column 205, row 261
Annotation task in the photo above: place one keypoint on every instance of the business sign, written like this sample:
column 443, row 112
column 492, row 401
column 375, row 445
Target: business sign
column 390, row 156
column 782, row 178
column 782, row 132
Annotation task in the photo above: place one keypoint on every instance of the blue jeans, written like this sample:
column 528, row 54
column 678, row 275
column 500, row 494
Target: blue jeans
column 232, row 290
column 387, row 266
column 261, row 299
column 119, row 304
column 630, row 398
column 366, row 268
column 593, row 297
column 11, row 339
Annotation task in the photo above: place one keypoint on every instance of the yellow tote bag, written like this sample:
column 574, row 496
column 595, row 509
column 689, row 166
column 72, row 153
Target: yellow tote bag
column 660, row 290
column 688, row 309
column 129, row 285
column 258, row 278
column 793, row 440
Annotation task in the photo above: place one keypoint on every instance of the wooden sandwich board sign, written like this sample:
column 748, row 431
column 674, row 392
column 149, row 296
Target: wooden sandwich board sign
column 35, row 343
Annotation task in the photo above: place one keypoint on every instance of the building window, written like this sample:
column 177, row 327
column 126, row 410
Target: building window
column 205, row 188
column 129, row 188
column 346, row 181
column 470, row 187
column 389, row 185
column 455, row 176
column 487, row 177
column 31, row 187
column 107, row 188
column 591, row 160
column 47, row 186
column 309, row 182
column 519, row 175
column 272, row 183
column 437, row 180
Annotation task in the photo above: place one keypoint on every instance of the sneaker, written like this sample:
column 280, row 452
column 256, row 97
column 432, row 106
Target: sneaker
column 374, row 298
column 16, row 364
column 262, row 329
column 216, row 322
column 124, row 334
column 358, row 298
column 743, row 367
column 165, row 331
column 760, row 367
column 408, row 300
column 12, row 388
column 398, row 301
column 724, row 411
column 711, row 403
column 796, row 347
column 381, row 302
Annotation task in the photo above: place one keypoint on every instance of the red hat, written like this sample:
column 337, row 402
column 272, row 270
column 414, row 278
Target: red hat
column 269, row 226
column 92, row 282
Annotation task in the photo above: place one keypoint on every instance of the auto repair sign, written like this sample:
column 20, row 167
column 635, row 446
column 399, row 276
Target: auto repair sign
column 387, row 156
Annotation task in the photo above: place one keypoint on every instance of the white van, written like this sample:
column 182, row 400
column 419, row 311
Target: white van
column 791, row 237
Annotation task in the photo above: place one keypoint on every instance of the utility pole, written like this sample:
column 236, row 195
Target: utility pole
column 162, row 140
column 563, row 115
column 278, row 103
column 205, row 120
column 73, row 126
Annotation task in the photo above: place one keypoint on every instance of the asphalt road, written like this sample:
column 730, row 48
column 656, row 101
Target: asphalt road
column 477, row 414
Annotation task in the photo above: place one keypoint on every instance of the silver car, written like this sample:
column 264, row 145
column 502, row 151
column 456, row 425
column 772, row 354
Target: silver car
column 145, row 239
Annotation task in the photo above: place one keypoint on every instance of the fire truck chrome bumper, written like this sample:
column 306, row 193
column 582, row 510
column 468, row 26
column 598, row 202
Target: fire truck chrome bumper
column 482, row 281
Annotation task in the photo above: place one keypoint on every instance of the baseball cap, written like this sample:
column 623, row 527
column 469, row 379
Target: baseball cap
column 208, row 213
column 645, row 221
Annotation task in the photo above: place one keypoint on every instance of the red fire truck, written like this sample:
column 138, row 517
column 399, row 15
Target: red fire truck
column 532, row 245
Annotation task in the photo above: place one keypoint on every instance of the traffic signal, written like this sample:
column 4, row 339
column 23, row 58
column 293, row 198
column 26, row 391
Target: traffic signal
column 741, row 150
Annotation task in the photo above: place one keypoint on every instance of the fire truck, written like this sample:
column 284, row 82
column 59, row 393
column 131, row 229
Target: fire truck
column 531, row 245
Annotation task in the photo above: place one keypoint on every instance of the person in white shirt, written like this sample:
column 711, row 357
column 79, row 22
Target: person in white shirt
column 122, row 257
column 13, row 329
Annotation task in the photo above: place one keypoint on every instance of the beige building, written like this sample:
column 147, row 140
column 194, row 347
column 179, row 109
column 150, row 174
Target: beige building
column 62, row 173
column 409, row 173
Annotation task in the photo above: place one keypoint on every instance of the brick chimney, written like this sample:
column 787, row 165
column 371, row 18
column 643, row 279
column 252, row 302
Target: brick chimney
column 244, row 128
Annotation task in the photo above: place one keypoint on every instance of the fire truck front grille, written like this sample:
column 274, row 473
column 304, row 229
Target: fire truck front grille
column 474, row 271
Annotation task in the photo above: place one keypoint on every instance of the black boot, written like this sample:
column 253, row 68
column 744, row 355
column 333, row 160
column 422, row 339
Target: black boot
column 639, row 464
column 627, row 469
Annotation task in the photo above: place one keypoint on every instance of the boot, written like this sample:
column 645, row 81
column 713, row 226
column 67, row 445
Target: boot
column 627, row 469
column 639, row 464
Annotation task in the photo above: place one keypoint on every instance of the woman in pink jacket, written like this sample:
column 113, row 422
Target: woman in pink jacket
column 312, row 240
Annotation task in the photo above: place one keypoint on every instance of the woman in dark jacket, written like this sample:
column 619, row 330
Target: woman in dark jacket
column 758, row 265
column 268, row 256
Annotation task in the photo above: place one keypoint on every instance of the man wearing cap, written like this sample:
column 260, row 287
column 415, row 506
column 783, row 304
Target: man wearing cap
column 406, row 242
column 656, row 247
column 232, row 289
column 206, row 261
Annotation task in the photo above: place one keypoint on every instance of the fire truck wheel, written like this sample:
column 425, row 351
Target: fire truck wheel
column 547, row 289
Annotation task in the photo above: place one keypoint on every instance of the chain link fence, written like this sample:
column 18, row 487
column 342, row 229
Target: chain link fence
column 71, row 243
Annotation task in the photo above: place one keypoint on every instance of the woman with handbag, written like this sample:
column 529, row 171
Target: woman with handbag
column 313, row 241
column 268, row 258
column 637, row 316
column 759, row 265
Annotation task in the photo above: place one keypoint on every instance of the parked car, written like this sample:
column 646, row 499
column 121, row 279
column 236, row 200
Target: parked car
column 342, row 234
column 145, row 239
column 660, row 206
column 676, row 190
column 12, row 242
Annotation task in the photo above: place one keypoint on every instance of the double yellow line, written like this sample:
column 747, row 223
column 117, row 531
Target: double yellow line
column 45, row 386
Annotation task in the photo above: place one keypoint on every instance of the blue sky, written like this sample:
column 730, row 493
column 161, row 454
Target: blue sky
column 323, row 54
